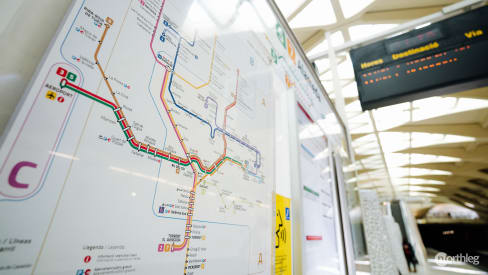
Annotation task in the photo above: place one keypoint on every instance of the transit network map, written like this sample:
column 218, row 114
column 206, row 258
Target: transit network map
column 145, row 142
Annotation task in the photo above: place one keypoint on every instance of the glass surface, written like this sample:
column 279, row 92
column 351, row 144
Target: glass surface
column 144, row 143
column 321, row 254
column 320, row 133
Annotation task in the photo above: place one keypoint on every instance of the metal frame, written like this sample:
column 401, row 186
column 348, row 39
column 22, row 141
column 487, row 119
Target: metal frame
column 338, row 214
column 347, row 238
column 309, row 66
column 296, row 186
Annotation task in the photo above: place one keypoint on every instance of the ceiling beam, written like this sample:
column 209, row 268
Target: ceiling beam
column 457, row 195
column 359, row 157
column 340, row 59
column 444, row 178
column 480, row 212
column 478, row 155
column 468, row 129
column 349, row 100
column 468, row 169
column 341, row 25
column 313, row 40
column 356, row 136
column 484, row 124
column 470, row 199
column 478, row 93
column 397, row 15
column 451, row 182
column 480, row 197
column 367, row 170
column 298, row 10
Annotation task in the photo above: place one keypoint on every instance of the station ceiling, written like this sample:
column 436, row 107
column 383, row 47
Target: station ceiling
column 426, row 152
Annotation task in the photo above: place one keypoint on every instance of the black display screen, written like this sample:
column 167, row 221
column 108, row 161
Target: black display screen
column 444, row 57
column 417, row 40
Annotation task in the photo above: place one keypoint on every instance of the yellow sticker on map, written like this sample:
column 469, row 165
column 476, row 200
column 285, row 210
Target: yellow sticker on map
column 283, row 236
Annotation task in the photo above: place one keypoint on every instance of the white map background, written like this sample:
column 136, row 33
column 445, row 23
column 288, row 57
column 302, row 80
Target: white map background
column 192, row 85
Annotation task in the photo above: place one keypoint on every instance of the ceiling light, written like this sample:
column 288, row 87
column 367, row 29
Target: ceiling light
column 418, row 188
column 421, row 194
column 415, row 181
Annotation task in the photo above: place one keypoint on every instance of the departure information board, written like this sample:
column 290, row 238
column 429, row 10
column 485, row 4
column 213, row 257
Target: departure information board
column 441, row 58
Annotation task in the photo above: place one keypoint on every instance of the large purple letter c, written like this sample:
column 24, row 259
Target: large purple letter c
column 12, row 178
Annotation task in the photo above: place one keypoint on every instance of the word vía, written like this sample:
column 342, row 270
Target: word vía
column 473, row 34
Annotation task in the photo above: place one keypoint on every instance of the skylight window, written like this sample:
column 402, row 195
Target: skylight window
column 397, row 160
column 346, row 71
column 394, row 141
column 400, row 112
column 353, row 108
column 328, row 85
column 322, row 64
column 439, row 106
column 287, row 7
column 353, row 7
column 317, row 13
column 368, row 150
column 337, row 39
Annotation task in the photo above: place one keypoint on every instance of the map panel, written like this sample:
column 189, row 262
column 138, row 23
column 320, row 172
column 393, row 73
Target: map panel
column 145, row 142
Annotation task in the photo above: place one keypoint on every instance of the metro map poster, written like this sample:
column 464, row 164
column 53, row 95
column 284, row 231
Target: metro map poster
column 144, row 143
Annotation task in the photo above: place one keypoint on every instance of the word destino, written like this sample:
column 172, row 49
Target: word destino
column 404, row 54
